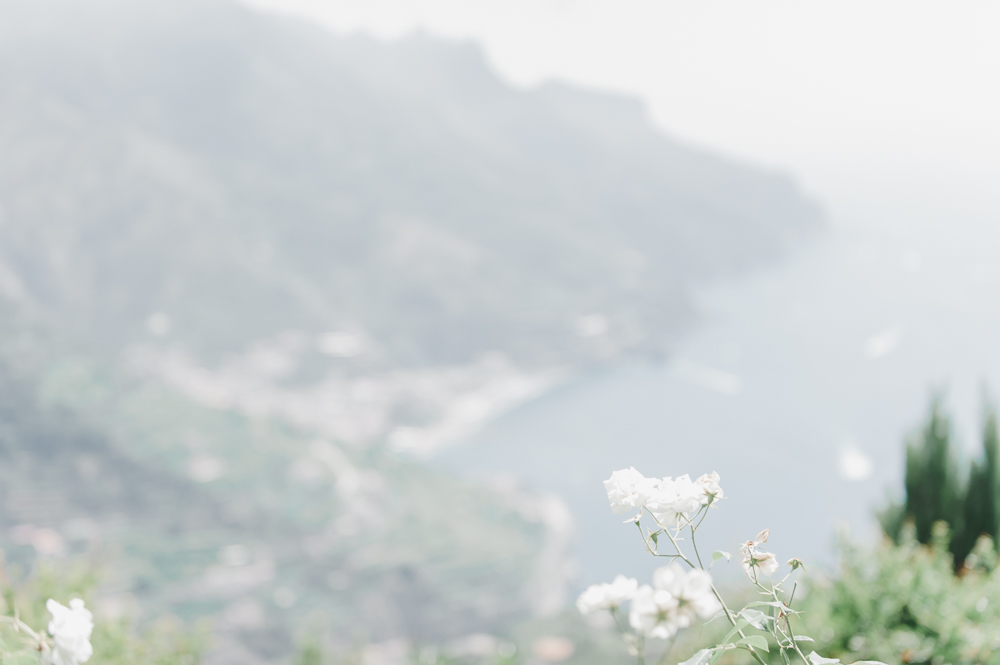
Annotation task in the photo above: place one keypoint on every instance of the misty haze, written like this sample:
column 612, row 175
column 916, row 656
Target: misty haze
column 320, row 344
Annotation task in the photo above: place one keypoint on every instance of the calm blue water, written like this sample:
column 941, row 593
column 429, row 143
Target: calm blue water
column 798, row 388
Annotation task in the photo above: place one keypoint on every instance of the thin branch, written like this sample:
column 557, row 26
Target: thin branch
column 729, row 615
column 695, row 546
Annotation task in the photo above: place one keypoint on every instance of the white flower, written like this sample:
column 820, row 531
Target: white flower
column 757, row 562
column 651, row 613
column 592, row 599
column 70, row 629
column 628, row 489
column 675, row 601
column 709, row 483
column 674, row 499
column 760, row 563
column 606, row 596
column 689, row 495
column 621, row 589
column 693, row 590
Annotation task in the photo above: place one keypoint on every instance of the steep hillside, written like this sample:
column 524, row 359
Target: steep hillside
column 244, row 176
column 204, row 513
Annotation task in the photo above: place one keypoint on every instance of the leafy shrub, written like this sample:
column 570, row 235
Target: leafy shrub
column 904, row 603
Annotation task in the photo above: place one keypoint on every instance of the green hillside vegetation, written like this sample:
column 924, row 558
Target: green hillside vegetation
column 414, row 553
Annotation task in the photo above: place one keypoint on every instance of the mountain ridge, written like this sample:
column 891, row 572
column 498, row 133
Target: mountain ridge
column 274, row 164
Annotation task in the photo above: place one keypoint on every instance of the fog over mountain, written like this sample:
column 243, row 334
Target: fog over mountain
column 247, row 175
column 212, row 218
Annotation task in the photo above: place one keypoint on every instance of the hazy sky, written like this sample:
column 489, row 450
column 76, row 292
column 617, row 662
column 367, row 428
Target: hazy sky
column 853, row 96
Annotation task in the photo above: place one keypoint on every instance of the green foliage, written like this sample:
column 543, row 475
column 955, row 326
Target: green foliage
column 594, row 640
column 165, row 642
column 936, row 492
column 932, row 486
column 115, row 642
column 904, row 603
column 981, row 511
column 309, row 653
column 468, row 547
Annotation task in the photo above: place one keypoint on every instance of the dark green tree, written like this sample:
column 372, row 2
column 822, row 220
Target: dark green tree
column 934, row 488
column 933, row 491
column 980, row 509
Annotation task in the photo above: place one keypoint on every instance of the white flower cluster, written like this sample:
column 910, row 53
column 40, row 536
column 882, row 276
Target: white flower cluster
column 757, row 562
column 675, row 601
column 680, row 596
column 70, row 629
column 670, row 500
column 607, row 596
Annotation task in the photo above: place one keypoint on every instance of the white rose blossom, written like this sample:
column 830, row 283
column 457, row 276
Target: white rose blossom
column 651, row 613
column 757, row 562
column 670, row 500
column 607, row 596
column 675, row 601
column 70, row 628
column 675, row 499
column 628, row 489
column 693, row 590
column 709, row 483
column 679, row 597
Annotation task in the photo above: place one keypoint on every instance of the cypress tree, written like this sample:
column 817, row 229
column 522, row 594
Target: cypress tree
column 932, row 488
column 991, row 454
column 934, row 491
column 980, row 510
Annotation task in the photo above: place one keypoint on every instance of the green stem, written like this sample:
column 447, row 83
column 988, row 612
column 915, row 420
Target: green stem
column 695, row 546
column 20, row 626
column 666, row 651
column 703, row 516
column 672, row 540
column 729, row 615
column 788, row 622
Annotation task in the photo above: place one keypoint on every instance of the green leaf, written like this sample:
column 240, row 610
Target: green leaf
column 756, row 618
column 701, row 657
column 755, row 641
column 740, row 625
column 803, row 638
column 817, row 659
column 868, row 662
column 718, row 615
column 719, row 554
column 781, row 606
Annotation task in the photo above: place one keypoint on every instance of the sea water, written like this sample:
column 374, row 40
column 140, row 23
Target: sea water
column 798, row 386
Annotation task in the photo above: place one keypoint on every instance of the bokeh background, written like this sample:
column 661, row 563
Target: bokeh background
column 329, row 318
